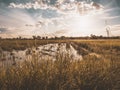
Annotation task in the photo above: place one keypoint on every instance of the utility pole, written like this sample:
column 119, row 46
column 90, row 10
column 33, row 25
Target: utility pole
column 107, row 28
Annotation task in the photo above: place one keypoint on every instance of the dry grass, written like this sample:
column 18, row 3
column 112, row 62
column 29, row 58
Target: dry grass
column 9, row 45
column 92, row 73
column 63, row 74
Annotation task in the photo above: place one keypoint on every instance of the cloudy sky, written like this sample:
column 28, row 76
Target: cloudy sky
column 59, row 17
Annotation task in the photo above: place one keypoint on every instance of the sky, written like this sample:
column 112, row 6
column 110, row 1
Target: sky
column 59, row 17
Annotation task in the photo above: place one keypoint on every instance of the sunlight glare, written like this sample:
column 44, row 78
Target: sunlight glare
column 84, row 23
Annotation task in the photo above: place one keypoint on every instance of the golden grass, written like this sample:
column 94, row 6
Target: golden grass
column 63, row 74
column 91, row 73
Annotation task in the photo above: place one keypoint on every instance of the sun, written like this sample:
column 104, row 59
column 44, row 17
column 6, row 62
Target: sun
column 83, row 24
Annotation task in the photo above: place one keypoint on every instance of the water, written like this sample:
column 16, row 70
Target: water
column 45, row 52
column 42, row 52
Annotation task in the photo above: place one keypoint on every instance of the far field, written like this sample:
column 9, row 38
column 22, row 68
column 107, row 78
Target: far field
column 109, row 48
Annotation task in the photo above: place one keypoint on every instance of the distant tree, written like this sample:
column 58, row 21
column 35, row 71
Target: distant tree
column 43, row 37
column 55, row 37
column 38, row 37
column 101, row 36
column 62, row 37
column 46, row 37
column 93, row 36
column 34, row 37
column 19, row 37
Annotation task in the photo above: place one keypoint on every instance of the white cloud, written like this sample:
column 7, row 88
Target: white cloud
column 58, row 19
column 115, row 27
column 81, row 7
column 110, row 17
column 29, row 5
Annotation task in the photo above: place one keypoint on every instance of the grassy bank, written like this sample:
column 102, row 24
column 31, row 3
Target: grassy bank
column 63, row 74
column 92, row 73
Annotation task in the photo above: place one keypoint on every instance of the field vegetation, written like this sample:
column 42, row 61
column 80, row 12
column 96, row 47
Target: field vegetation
column 65, row 73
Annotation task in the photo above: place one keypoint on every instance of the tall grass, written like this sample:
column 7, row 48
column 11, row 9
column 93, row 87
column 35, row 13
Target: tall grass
column 65, row 73
column 62, row 74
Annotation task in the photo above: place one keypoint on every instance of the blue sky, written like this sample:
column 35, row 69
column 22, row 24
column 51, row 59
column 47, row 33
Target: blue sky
column 33, row 17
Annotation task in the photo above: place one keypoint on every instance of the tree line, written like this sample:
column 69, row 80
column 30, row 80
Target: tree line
column 63, row 37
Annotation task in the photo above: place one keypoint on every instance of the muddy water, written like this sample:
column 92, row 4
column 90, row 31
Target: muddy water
column 45, row 52
column 42, row 52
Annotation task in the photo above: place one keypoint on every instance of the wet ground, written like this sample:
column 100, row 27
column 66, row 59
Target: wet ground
column 48, row 51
